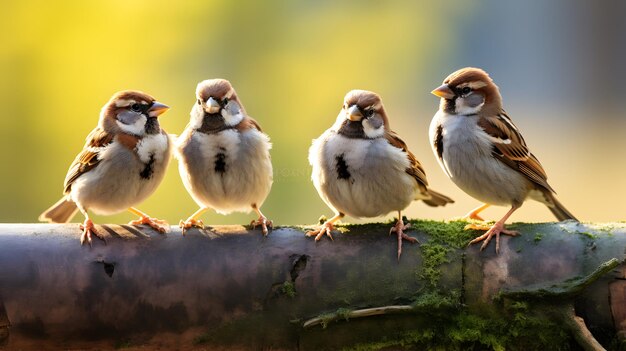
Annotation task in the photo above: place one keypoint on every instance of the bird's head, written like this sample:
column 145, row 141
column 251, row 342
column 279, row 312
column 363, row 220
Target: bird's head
column 362, row 115
column 469, row 91
column 216, row 104
column 132, row 112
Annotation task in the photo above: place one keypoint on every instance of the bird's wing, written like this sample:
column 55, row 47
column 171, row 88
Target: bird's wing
column 510, row 148
column 87, row 159
column 248, row 123
column 415, row 169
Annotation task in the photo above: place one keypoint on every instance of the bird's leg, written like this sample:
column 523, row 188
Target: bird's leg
column 262, row 221
column 325, row 228
column 399, row 229
column 88, row 229
column 496, row 229
column 473, row 215
column 193, row 220
column 156, row 224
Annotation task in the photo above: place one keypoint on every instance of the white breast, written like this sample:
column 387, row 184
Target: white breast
column 115, row 183
column 247, row 175
column 153, row 145
column 468, row 161
column 378, row 182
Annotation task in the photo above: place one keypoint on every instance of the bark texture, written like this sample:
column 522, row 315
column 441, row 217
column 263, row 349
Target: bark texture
column 229, row 288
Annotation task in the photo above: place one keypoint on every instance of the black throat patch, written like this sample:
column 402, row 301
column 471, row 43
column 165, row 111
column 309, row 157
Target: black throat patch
column 342, row 168
column 450, row 106
column 213, row 123
column 148, row 169
column 352, row 130
column 152, row 126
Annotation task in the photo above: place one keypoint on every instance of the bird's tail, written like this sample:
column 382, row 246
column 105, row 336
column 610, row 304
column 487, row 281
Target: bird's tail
column 61, row 212
column 559, row 211
column 437, row 199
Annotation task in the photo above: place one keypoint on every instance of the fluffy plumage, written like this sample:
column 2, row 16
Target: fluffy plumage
column 122, row 163
column 361, row 168
column 484, row 153
column 224, row 158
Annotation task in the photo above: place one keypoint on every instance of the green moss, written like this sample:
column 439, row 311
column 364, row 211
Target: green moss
column 434, row 255
column 588, row 235
column 568, row 288
column 537, row 238
column 450, row 233
column 339, row 314
column 327, row 318
column 288, row 289
column 408, row 340
column 434, row 302
column 518, row 327
column 443, row 238
column 343, row 313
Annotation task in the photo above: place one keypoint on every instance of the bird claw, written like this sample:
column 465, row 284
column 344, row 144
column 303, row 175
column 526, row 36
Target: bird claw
column 190, row 223
column 89, row 229
column 496, row 230
column 154, row 223
column 324, row 229
column 399, row 229
column 264, row 223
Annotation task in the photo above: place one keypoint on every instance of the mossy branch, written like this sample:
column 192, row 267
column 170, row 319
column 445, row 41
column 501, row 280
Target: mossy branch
column 158, row 284
column 567, row 289
column 343, row 314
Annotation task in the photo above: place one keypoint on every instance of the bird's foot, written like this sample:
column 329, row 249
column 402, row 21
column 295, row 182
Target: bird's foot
column 324, row 229
column 496, row 229
column 264, row 223
column 190, row 223
column 89, row 229
column 156, row 224
column 399, row 229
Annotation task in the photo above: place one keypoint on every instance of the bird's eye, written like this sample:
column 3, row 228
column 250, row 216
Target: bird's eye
column 225, row 102
column 466, row 90
column 368, row 113
column 199, row 102
column 135, row 107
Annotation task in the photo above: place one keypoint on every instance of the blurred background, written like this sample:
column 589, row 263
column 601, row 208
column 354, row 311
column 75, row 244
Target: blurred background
column 560, row 66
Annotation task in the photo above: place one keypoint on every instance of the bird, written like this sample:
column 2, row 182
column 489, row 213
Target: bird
column 122, row 163
column 361, row 168
column 224, row 156
column 484, row 153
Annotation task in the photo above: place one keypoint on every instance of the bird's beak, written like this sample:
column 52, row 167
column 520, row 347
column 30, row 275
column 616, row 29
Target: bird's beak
column 157, row 109
column 443, row 91
column 212, row 106
column 354, row 114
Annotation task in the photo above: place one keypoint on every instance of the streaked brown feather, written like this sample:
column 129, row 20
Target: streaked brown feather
column 516, row 153
column 415, row 169
column 87, row 159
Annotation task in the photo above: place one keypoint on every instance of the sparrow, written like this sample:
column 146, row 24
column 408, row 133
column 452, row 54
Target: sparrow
column 122, row 163
column 224, row 156
column 361, row 168
column 484, row 153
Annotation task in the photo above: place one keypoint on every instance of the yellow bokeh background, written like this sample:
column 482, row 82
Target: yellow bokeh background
column 291, row 63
